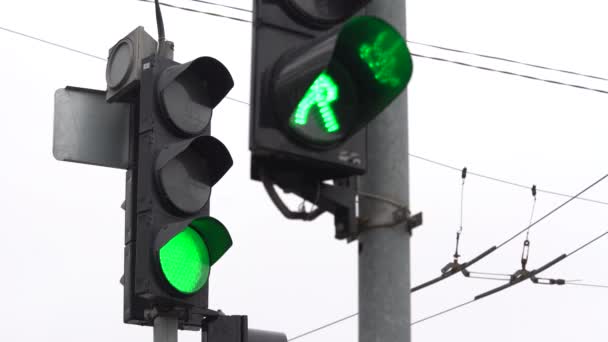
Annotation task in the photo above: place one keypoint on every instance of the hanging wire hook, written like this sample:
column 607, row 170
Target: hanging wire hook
column 464, row 176
column 526, row 248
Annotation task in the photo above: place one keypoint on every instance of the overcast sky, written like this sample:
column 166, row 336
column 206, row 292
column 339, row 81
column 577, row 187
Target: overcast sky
column 63, row 241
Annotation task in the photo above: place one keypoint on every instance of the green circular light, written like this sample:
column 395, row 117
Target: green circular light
column 184, row 261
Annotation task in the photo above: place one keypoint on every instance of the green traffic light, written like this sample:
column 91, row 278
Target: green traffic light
column 185, row 262
column 329, row 90
column 319, row 95
column 381, row 58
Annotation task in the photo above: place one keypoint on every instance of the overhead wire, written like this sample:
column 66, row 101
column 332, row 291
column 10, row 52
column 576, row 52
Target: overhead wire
column 457, row 62
column 502, row 180
column 413, row 54
column 456, row 267
column 443, row 312
column 225, row 6
column 247, row 103
column 323, row 327
column 509, row 60
column 199, row 11
column 552, row 211
column 53, row 44
column 82, row 52
column 511, row 73
column 589, row 285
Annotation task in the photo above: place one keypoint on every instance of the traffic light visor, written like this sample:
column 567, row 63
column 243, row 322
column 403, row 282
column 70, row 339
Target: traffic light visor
column 186, row 258
column 188, row 93
column 186, row 172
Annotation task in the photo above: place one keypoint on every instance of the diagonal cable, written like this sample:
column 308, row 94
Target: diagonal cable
column 443, row 312
column 201, row 12
column 511, row 73
column 509, row 60
column 53, row 44
column 225, row 6
column 462, row 267
column 502, row 180
column 323, row 326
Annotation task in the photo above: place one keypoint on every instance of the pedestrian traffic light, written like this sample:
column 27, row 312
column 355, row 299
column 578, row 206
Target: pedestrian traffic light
column 171, row 241
column 320, row 73
column 314, row 90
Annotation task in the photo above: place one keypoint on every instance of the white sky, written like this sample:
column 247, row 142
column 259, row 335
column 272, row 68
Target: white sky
column 62, row 252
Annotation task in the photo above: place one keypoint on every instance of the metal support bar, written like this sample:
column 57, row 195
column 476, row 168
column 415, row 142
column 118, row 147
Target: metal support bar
column 165, row 329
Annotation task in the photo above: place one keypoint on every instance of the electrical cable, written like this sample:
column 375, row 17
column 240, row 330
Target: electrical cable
column 197, row 11
column 510, row 73
column 278, row 202
column 588, row 285
column 159, row 24
column 525, row 252
column 531, row 273
column 417, row 55
column 82, row 52
column 509, row 60
column 450, row 271
column 438, row 58
column 53, row 44
column 459, row 232
column 478, row 297
column 552, row 211
column 323, row 327
column 502, row 180
column 491, row 274
column 225, row 6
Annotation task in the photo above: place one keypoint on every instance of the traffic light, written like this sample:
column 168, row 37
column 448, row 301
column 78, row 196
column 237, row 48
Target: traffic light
column 318, row 80
column 171, row 242
column 320, row 73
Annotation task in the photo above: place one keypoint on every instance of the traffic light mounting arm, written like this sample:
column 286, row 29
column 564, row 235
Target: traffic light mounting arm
column 338, row 199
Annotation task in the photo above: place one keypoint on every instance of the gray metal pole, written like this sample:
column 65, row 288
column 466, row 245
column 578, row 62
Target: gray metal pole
column 165, row 329
column 384, row 253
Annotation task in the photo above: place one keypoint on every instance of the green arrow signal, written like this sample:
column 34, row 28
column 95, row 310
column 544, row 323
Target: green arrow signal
column 320, row 94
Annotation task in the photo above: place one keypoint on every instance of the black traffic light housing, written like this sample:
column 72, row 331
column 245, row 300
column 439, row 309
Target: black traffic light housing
column 175, row 162
column 281, row 26
column 318, row 78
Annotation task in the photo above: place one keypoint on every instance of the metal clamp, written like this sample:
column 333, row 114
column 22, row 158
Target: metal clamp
column 400, row 215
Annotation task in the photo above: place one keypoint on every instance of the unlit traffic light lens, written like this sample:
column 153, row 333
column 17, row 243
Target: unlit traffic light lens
column 184, row 261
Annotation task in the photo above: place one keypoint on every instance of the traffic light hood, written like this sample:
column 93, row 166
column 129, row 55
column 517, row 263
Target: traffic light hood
column 208, row 71
column 185, row 254
column 215, row 235
column 185, row 172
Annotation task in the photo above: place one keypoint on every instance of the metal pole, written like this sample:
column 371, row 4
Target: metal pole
column 165, row 329
column 384, row 253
